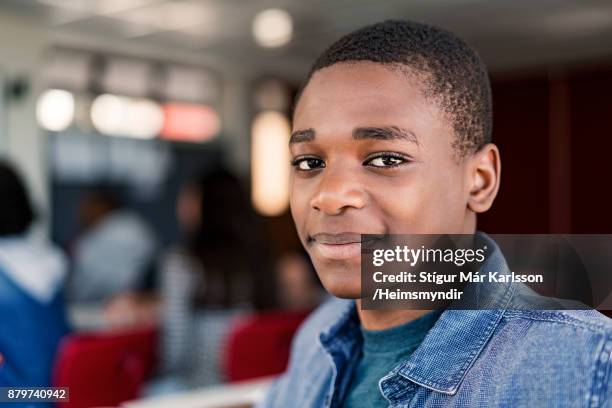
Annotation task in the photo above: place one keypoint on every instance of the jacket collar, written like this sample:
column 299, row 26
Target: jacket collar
column 454, row 343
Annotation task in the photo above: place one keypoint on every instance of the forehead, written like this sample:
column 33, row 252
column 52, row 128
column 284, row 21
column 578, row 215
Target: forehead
column 366, row 94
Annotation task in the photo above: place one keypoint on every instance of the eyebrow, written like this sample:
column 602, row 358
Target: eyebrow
column 300, row 136
column 377, row 133
column 385, row 133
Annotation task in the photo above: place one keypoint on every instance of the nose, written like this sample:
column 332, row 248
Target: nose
column 339, row 190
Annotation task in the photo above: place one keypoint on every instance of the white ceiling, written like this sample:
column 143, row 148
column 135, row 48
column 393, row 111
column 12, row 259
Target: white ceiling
column 509, row 34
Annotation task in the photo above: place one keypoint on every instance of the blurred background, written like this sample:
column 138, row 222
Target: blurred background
column 150, row 138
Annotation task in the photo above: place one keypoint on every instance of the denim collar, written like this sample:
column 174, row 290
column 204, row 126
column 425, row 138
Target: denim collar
column 450, row 348
column 341, row 342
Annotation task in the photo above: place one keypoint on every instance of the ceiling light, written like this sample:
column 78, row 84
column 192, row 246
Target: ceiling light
column 269, row 161
column 272, row 28
column 55, row 110
column 115, row 115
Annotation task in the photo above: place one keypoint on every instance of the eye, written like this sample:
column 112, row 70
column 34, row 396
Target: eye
column 386, row 160
column 307, row 163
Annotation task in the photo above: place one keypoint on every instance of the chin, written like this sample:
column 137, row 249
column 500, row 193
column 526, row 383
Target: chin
column 342, row 281
column 343, row 293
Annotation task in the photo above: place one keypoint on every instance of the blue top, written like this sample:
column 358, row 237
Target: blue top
column 381, row 351
column 29, row 335
column 502, row 356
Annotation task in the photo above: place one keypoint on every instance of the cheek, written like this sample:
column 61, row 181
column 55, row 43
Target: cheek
column 298, row 204
column 342, row 279
column 423, row 205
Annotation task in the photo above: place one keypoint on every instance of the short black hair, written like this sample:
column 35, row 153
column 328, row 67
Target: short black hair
column 456, row 77
column 16, row 212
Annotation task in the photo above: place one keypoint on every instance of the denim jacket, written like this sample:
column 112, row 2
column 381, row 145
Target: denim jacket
column 504, row 356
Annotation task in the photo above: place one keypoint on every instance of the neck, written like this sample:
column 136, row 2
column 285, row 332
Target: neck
column 386, row 319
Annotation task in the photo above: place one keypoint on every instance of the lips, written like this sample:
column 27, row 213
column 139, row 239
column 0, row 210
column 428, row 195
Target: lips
column 337, row 239
column 340, row 246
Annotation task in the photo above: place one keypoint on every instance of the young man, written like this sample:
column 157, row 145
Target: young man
column 391, row 135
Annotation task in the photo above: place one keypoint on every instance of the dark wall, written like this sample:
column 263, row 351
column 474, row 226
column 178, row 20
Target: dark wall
column 554, row 131
column 591, row 147
column 520, row 129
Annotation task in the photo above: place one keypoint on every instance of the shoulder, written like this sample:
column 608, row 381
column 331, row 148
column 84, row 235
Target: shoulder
column 570, row 347
column 125, row 226
column 526, row 305
column 586, row 321
column 554, row 313
column 309, row 372
column 581, row 336
column 319, row 320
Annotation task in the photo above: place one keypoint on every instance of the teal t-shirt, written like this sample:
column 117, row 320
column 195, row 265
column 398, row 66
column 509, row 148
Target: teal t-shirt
column 382, row 351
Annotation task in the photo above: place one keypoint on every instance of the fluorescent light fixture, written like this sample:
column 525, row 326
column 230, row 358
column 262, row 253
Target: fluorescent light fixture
column 272, row 28
column 270, row 163
column 146, row 119
column 108, row 112
column 55, row 110
column 116, row 115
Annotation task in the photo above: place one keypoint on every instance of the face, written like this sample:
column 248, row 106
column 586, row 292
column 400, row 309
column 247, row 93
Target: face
column 371, row 155
column 188, row 208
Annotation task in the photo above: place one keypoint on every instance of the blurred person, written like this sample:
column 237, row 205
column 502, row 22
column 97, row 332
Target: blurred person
column 219, row 273
column 298, row 286
column 392, row 135
column 32, row 277
column 112, row 256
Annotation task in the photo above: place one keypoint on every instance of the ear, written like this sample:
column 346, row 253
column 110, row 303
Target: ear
column 485, row 171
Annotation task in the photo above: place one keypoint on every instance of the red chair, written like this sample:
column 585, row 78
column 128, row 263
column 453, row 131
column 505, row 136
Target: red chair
column 259, row 345
column 105, row 369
